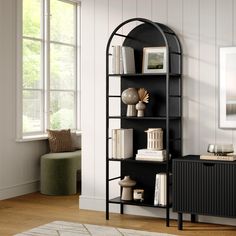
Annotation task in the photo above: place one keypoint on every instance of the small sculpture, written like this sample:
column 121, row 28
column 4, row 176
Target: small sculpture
column 130, row 97
column 127, row 183
column 154, row 138
column 143, row 97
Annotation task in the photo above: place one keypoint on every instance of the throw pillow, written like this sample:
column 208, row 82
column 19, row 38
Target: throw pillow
column 60, row 140
column 76, row 140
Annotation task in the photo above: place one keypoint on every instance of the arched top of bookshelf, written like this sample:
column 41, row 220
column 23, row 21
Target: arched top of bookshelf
column 148, row 33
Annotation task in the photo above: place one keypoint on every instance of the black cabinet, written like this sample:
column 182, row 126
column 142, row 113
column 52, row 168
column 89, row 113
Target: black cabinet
column 164, row 109
column 204, row 187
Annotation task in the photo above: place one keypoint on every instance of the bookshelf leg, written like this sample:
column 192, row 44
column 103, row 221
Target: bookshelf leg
column 180, row 221
column 167, row 218
column 121, row 208
column 107, row 211
column 193, row 218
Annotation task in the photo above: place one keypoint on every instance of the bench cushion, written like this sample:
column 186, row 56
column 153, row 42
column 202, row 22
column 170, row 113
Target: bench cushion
column 59, row 173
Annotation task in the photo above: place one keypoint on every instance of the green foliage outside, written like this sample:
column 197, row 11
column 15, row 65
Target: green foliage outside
column 62, row 65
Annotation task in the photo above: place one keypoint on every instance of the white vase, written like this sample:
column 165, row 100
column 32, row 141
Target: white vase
column 140, row 106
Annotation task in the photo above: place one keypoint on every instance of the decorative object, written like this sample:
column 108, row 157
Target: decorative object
column 154, row 138
column 220, row 149
column 143, row 97
column 73, row 228
column 127, row 183
column 154, row 60
column 130, row 97
column 138, row 195
column 60, row 140
column 227, row 109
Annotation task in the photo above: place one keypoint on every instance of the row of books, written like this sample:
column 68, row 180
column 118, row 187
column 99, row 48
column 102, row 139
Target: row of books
column 160, row 196
column 122, row 60
column 122, row 143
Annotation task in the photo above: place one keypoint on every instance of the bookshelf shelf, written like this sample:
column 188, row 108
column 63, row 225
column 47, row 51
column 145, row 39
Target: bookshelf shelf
column 145, row 75
column 145, row 118
column 139, row 161
column 117, row 200
column 164, row 109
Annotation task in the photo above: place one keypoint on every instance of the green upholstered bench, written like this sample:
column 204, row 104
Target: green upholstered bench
column 59, row 173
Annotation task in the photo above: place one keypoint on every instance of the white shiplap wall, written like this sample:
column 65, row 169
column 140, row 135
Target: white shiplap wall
column 202, row 26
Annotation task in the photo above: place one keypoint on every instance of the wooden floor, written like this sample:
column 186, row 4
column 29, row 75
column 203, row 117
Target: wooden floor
column 28, row 211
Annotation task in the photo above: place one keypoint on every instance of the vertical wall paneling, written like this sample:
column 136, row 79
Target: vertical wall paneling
column 144, row 8
column 202, row 26
column 224, row 36
column 115, row 18
column 191, row 76
column 207, row 88
column 129, row 11
column 175, row 14
column 87, row 97
column 159, row 11
column 101, row 37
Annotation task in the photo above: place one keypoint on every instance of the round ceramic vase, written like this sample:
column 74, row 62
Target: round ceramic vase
column 130, row 97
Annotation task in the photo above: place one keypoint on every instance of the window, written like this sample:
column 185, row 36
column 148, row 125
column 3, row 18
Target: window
column 48, row 81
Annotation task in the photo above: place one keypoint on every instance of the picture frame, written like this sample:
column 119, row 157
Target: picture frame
column 154, row 60
column 227, row 89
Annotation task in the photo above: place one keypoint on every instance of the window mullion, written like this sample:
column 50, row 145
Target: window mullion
column 47, row 63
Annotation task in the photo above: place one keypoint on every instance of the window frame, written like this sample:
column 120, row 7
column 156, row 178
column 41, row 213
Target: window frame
column 45, row 56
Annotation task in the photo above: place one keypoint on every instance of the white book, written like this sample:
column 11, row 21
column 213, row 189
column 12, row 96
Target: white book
column 163, row 201
column 128, row 60
column 114, row 141
column 117, row 58
column 124, row 143
column 149, row 152
column 113, row 60
column 157, row 190
column 121, row 61
column 141, row 157
column 228, row 157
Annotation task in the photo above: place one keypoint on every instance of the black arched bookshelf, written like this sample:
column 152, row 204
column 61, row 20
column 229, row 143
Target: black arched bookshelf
column 164, row 109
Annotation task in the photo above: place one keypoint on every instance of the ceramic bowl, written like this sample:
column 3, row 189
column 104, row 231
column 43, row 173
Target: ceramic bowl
column 220, row 148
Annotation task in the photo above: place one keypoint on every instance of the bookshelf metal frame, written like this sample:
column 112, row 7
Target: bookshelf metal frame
column 139, row 37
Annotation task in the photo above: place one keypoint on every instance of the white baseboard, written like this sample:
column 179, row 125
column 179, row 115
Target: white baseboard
column 19, row 189
column 98, row 204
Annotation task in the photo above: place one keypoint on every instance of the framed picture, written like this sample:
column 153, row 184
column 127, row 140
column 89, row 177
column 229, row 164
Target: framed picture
column 227, row 88
column 154, row 60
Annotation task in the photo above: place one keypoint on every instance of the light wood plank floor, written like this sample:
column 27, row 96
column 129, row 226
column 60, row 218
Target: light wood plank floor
column 28, row 211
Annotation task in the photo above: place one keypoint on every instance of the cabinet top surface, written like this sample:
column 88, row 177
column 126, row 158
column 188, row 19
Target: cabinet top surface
column 196, row 158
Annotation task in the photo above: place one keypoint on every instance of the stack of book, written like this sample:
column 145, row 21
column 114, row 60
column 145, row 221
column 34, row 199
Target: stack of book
column 213, row 157
column 122, row 60
column 160, row 197
column 122, row 143
column 151, row 155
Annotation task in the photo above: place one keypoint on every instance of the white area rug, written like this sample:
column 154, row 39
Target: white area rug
column 62, row 228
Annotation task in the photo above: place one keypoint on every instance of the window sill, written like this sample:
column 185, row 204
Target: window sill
column 30, row 138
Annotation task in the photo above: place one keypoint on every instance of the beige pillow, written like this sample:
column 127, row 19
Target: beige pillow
column 60, row 140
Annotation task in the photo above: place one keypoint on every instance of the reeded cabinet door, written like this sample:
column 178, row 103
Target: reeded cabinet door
column 204, row 187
